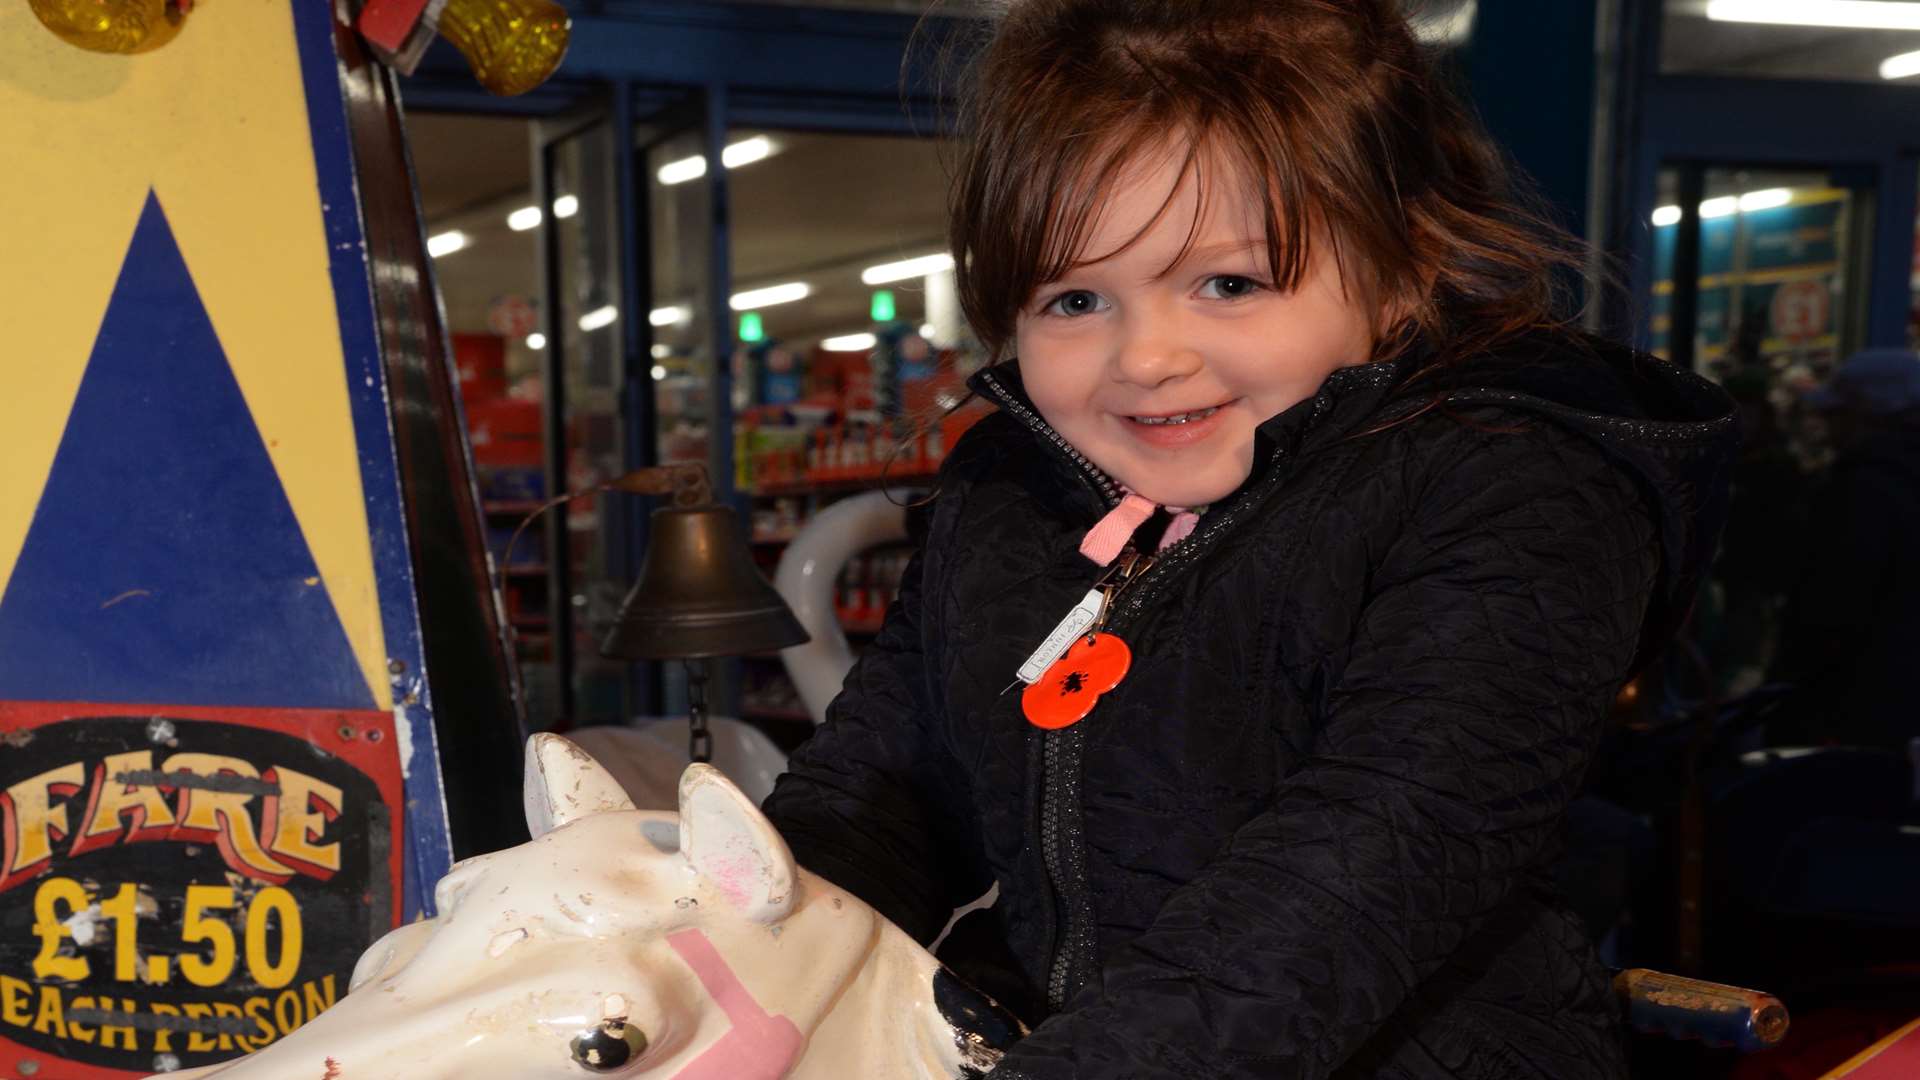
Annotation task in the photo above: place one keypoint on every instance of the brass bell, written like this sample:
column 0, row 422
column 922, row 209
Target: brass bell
column 700, row 594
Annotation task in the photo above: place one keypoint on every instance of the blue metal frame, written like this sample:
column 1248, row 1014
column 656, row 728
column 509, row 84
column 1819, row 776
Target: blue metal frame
column 429, row 850
column 820, row 67
column 553, row 403
column 638, row 426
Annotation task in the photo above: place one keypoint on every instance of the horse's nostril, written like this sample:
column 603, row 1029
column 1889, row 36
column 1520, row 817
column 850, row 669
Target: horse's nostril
column 609, row 1046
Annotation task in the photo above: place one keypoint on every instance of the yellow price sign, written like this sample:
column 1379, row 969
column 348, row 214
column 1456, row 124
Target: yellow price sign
column 208, row 948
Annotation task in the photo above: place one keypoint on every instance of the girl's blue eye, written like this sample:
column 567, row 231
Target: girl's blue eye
column 1230, row 287
column 1075, row 303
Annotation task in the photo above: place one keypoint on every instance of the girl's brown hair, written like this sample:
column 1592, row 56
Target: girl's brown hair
column 1333, row 103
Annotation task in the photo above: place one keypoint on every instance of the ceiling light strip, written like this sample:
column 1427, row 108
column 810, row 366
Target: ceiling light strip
column 1846, row 14
column 907, row 268
column 771, row 295
column 744, row 152
column 1905, row 65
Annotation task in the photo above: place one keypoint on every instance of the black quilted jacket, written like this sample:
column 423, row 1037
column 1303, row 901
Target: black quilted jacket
column 1305, row 837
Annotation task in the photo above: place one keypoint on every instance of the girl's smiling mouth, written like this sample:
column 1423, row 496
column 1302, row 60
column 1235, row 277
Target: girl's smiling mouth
column 1177, row 418
column 1169, row 430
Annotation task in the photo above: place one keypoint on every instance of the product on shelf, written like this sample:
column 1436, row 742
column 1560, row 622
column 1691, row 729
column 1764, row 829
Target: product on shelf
column 480, row 361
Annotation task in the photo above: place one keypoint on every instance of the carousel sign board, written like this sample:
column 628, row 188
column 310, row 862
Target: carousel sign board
column 218, row 776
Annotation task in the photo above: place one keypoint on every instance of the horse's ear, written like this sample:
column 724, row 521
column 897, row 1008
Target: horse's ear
column 732, row 845
column 563, row 784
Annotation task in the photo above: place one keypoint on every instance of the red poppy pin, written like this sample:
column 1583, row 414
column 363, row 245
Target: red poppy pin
column 1073, row 685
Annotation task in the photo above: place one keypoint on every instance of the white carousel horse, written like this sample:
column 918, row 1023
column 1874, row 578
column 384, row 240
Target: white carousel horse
column 636, row 944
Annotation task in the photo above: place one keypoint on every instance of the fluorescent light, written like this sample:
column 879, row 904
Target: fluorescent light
column 1765, row 199
column 1453, row 28
column 566, row 206
column 527, row 217
column 679, row 172
column 659, row 372
column 850, row 343
column 926, row 331
column 599, row 317
column 536, row 341
column 744, row 152
column 771, row 295
column 661, row 352
column 1850, row 14
column 666, row 316
column 1900, row 67
column 446, row 243
column 906, row 268
column 1720, row 207
column 1724, row 205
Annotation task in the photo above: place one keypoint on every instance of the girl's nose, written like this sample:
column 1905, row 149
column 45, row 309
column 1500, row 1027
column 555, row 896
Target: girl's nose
column 1149, row 356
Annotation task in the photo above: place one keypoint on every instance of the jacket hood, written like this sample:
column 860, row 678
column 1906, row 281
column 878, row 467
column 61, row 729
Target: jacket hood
column 1673, row 431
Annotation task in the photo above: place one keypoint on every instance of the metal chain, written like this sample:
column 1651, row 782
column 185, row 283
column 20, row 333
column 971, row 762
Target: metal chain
column 699, row 739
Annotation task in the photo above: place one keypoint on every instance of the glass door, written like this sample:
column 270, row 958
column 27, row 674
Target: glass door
column 585, row 369
column 1761, row 282
column 686, row 271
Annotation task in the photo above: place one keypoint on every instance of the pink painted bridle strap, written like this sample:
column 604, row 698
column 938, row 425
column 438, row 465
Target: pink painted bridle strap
column 1103, row 542
column 759, row 1046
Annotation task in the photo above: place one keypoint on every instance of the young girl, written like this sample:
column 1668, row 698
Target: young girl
column 1348, row 540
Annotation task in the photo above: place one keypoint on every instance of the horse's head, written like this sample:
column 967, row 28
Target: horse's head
column 617, row 943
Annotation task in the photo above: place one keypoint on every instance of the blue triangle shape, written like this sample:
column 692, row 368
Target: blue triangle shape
column 164, row 564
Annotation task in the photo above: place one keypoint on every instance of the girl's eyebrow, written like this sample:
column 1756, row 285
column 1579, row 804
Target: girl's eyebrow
column 1229, row 247
column 1208, row 252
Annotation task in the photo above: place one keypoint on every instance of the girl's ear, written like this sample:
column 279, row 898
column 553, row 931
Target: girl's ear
column 1395, row 307
column 564, row 784
column 731, row 845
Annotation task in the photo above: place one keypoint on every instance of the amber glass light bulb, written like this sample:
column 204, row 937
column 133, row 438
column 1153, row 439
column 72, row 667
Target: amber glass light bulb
column 113, row 26
column 513, row 45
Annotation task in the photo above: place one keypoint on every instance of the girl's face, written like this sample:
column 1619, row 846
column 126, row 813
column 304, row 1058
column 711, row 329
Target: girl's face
column 1160, row 370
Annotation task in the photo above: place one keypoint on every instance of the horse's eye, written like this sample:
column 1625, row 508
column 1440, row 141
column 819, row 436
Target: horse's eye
column 608, row 1047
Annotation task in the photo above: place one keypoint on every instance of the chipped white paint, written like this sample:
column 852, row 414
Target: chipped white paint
column 83, row 925
column 403, row 732
column 589, row 925
column 503, row 941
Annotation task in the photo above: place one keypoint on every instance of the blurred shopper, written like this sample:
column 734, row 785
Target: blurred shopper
column 1852, row 625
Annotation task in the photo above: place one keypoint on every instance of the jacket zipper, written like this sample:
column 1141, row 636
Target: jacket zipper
column 1065, row 923
column 1062, row 848
column 1061, row 751
column 1103, row 484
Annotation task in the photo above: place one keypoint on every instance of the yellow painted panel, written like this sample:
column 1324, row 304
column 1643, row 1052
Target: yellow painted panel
column 215, row 123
